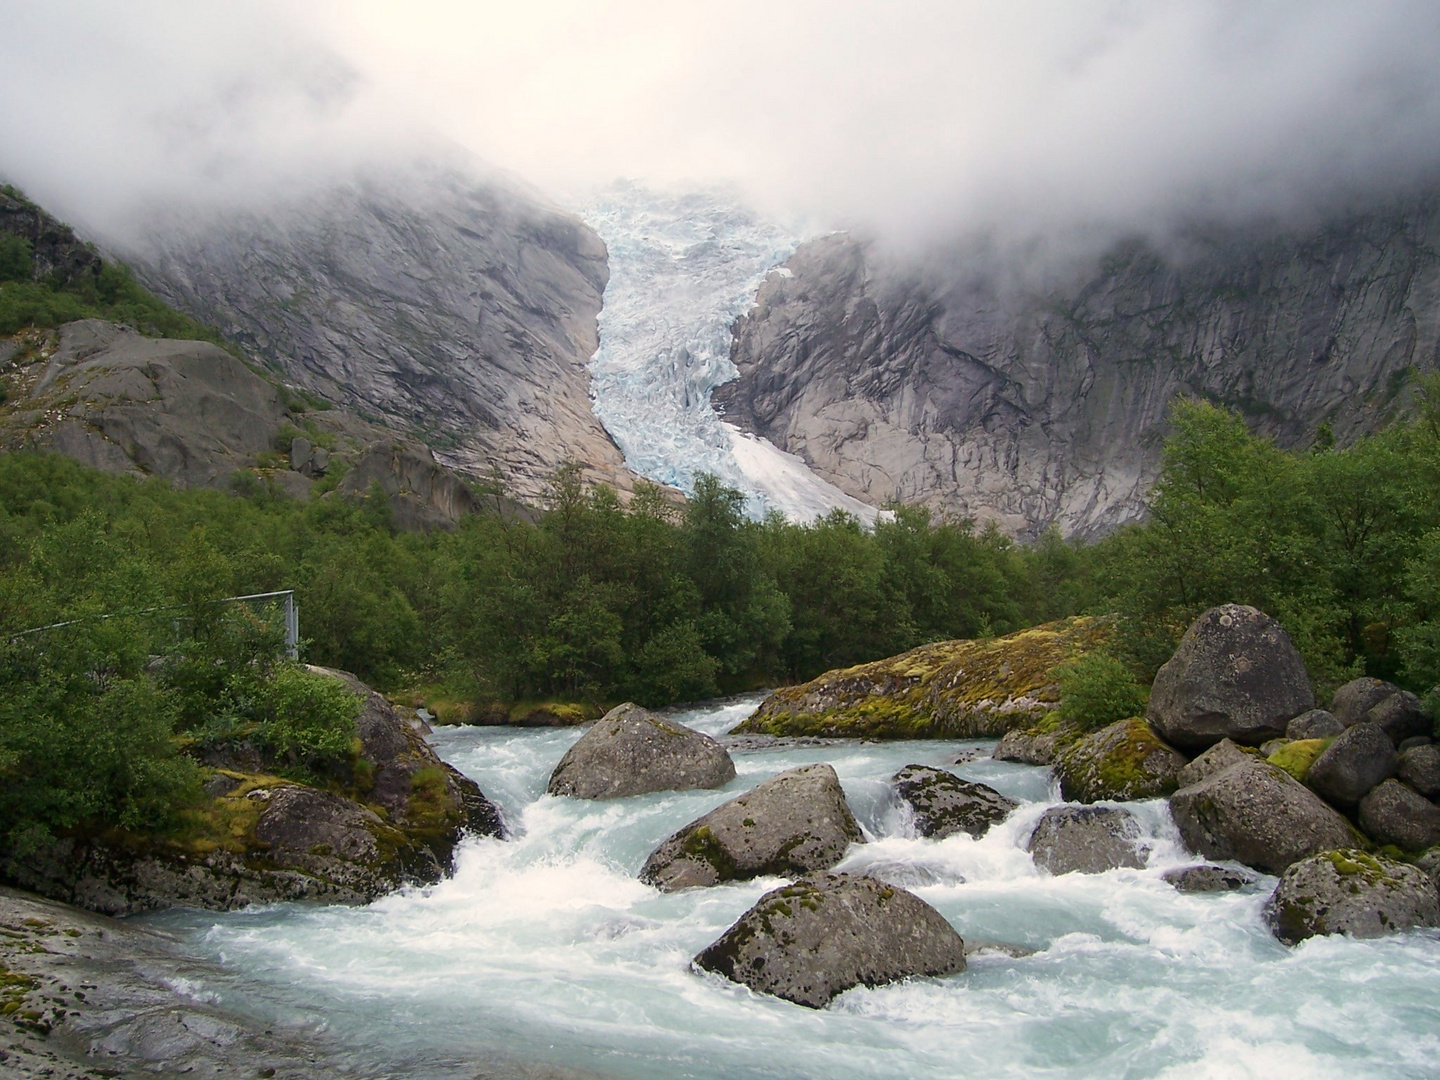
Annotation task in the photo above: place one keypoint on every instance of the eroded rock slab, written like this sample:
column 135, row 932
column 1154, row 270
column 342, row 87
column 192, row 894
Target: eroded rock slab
column 1351, row 892
column 811, row 941
column 792, row 824
column 632, row 751
column 944, row 804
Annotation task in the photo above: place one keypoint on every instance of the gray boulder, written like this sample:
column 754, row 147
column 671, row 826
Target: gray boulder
column 1315, row 724
column 791, row 824
column 1032, row 747
column 1414, row 741
column 1217, row 759
column 1401, row 716
column 1358, row 697
column 1395, row 814
column 631, row 751
column 1086, row 840
column 1359, row 758
column 1256, row 814
column 1235, row 675
column 1420, row 768
column 1121, row 761
column 1351, row 892
column 1203, row 879
column 813, row 940
column 944, row 804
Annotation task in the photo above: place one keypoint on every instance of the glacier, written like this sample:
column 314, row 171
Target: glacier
column 683, row 267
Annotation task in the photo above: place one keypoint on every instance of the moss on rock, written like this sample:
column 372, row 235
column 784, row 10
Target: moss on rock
column 1297, row 756
column 1123, row 761
column 950, row 689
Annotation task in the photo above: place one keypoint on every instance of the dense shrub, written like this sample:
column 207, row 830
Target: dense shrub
column 1097, row 689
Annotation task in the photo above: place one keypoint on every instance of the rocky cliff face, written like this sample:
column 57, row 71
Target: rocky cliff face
column 1039, row 406
column 459, row 312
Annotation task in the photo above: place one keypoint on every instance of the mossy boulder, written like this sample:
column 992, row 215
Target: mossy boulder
column 1123, row 761
column 632, row 751
column 1352, row 892
column 944, row 804
column 948, row 690
column 811, row 941
column 792, row 824
column 1297, row 755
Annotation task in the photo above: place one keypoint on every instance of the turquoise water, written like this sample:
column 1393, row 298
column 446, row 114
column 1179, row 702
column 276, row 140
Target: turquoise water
column 545, row 948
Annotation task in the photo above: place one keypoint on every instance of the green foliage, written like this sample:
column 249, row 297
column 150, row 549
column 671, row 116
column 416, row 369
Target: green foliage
column 308, row 719
column 16, row 258
column 1097, row 689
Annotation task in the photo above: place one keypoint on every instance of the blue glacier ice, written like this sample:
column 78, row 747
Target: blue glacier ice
column 683, row 268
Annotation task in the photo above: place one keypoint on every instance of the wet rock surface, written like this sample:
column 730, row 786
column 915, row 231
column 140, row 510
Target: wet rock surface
column 792, row 824
column 813, row 940
column 1351, row 892
column 944, row 804
column 1207, row 879
column 1257, row 814
column 632, row 751
column 1086, row 840
column 1122, row 761
column 1235, row 675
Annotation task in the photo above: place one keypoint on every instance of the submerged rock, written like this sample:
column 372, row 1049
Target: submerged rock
column 1315, row 724
column 1204, row 879
column 1395, row 814
column 1256, row 814
column 791, row 824
column 1235, row 675
column 1360, row 757
column 811, row 941
column 944, row 804
column 1123, row 761
column 631, row 751
column 980, row 688
column 1086, row 840
column 1351, row 892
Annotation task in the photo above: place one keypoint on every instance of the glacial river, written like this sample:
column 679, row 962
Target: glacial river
column 544, row 950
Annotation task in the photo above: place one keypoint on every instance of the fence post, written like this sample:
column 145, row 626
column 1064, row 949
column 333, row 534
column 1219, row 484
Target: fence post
column 292, row 627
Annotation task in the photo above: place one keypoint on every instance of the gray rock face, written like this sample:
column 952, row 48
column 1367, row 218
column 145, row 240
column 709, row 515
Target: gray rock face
column 1217, row 759
column 1395, row 814
column 1085, row 840
column 456, row 310
column 813, row 940
column 631, row 751
column 1256, row 814
column 422, row 494
column 1401, row 716
column 1358, row 697
column 114, row 400
column 1205, row 879
column 791, row 824
column 944, row 804
column 1235, row 675
column 1122, row 761
column 1043, row 403
column 1420, row 768
column 1029, row 748
column 54, row 247
column 1315, row 724
column 1351, row 892
column 1359, row 758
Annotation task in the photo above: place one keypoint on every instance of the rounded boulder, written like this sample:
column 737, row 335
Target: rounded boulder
column 1351, row 892
column 1235, row 675
column 1122, row 761
column 811, row 941
column 1315, row 724
column 1360, row 757
column 944, row 804
column 1085, row 840
column 1393, row 813
column 1420, row 768
column 631, row 751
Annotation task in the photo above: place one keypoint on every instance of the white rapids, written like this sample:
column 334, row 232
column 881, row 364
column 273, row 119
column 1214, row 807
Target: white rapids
column 683, row 268
column 546, row 950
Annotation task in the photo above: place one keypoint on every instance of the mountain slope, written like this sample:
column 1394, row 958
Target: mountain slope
column 457, row 311
column 1036, row 407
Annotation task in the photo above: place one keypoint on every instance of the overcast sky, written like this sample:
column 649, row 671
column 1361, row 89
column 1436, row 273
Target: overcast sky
column 909, row 118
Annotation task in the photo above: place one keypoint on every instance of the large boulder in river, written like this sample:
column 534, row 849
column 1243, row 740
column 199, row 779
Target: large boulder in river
column 791, row 824
column 1122, row 761
column 1395, row 814
column 1086, row 840
column 1235, row 675
column 1351, row 892
column 944, row 804
column 813, row 940
column 1257, row 814
column 631, row 751
column 1039, row 745
column 1358, row 759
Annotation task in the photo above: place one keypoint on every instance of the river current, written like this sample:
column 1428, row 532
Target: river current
column 545, row 950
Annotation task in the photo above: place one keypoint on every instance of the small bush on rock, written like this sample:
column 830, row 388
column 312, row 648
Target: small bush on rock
column 308, row 719
column 1096, row 690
